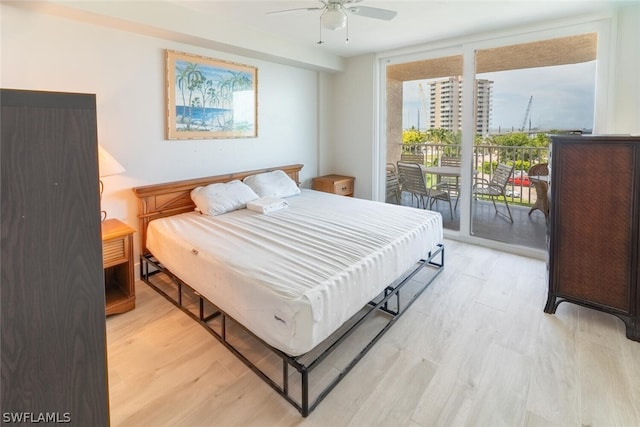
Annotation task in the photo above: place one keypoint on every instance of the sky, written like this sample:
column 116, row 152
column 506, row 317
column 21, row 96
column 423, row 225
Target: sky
column 563, row 97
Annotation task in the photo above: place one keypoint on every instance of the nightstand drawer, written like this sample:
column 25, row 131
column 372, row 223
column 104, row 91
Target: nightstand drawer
column 343, row 188
column 114, row 252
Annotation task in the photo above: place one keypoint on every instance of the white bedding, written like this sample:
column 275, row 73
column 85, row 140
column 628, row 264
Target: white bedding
column 294, row 276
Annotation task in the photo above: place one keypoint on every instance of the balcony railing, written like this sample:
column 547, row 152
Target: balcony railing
column 485, row 158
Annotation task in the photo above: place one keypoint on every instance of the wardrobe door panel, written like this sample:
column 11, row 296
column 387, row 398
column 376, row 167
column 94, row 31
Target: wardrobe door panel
column 53, row 321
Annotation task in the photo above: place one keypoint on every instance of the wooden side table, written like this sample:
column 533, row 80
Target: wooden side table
column 336, row 184
column 117, row 259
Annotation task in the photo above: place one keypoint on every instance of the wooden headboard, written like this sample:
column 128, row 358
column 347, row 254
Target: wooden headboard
column 172, row 198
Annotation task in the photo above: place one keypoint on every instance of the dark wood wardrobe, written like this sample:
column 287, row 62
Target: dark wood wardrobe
column 594, row 226
column 52, row 283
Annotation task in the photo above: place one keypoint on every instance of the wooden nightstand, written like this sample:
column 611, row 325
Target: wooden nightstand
column 117, row 259
column 336, row 184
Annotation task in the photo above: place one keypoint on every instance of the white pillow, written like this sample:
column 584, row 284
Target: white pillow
column 273, row 184
column 216, row 199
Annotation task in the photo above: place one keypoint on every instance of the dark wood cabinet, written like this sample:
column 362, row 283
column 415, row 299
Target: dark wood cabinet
column 594, row 226
column 54, row 365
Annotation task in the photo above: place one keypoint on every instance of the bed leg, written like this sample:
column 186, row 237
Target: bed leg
column 304, row 410
column 224, row 327
column 285, row 377
column 439, row 251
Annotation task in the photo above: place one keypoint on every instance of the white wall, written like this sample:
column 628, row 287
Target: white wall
column 326, row 110
column 353, row 122
column 126, row 72
column 626, row 96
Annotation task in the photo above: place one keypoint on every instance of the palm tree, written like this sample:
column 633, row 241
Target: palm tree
column 187, row 78
column 181, row 80
column 205, row 89
column 439, row 136
column 238, row 81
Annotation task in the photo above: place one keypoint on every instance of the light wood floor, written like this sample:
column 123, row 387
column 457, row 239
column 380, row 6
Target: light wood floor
column 475, row 349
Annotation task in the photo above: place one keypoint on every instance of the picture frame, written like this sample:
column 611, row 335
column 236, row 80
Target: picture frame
column 210, row 98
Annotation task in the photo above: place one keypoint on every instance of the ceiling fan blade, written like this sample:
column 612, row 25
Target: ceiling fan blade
column 291, row 10
column 373, row 12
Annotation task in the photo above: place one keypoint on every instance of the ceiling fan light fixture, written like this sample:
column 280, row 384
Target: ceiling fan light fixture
column 334, row 18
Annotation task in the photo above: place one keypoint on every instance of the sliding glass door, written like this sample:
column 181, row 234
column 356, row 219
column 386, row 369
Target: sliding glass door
column 486, row 143
column 424, row 127
column 539, row 88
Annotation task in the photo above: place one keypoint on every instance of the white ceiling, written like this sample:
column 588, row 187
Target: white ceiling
column 417, row 21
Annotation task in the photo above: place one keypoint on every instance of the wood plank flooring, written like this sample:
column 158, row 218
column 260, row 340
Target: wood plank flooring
column 475, row 349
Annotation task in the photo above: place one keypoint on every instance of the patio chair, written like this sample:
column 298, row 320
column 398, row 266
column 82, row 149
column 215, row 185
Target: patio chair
column 495, row 187
column 542, row 187
column 452, row 182
column 412, row 181
column 393, row 184
column 419, row 157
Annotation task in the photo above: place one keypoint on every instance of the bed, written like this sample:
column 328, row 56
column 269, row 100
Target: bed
column 298, row 281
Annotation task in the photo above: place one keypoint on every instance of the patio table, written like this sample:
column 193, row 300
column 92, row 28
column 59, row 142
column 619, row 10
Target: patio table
column 445, row 170
column 448, row 171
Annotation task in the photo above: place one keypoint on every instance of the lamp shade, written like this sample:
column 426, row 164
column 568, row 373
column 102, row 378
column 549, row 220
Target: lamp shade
column 107, row 164
column 334, row 17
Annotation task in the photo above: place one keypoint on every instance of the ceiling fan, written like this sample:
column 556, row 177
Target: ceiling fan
column 335, row 14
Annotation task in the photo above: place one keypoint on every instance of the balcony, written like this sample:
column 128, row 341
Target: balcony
column 526, row 230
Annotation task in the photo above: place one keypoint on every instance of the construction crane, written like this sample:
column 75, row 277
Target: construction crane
column 423, row 103
column 526, row 114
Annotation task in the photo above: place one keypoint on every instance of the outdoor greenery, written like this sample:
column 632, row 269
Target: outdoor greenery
column 445, row 136
column 504, row 147
column 433, row 135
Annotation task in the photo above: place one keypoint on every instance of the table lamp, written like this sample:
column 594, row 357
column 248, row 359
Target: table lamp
column 107, row 166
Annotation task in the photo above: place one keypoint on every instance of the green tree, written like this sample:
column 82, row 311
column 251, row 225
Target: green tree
column 521, row 159
column 439, row 136
column 413, row 136
column 187, row 79
column 515, row 139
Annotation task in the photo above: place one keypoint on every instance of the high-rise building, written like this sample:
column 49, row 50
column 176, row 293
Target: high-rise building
column 483, row 106
column 446, row 104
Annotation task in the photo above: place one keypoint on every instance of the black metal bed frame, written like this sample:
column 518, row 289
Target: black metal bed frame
column 217, row 323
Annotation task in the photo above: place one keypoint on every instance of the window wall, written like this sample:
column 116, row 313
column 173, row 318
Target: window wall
column 563, row 65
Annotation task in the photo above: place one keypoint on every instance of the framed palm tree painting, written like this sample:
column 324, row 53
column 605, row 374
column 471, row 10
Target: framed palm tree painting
column 210, row 98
